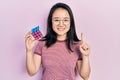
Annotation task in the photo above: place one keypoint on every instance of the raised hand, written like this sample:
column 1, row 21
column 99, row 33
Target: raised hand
column 29, row 41
column 84, row 47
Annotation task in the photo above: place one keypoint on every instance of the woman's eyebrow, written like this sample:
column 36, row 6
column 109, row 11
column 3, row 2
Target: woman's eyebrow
column 63, row 18
column 55, row 17
column 66, row 18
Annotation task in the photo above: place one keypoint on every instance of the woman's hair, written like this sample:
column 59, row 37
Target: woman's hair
column 51, row 36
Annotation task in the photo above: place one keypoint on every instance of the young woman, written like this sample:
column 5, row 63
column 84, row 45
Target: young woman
column 60, row 52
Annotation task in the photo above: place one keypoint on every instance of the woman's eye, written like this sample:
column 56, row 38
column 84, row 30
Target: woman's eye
column 56, row 20
column 66, row 20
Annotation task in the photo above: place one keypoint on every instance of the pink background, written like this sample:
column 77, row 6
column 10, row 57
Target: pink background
column 99, row 20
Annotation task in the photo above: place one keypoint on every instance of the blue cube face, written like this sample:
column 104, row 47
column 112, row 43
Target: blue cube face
column 35, row 29
column 36, row 33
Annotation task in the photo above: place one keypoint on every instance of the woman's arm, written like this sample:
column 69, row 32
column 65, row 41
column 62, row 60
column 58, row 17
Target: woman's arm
column 83, row 67
column 33, row 61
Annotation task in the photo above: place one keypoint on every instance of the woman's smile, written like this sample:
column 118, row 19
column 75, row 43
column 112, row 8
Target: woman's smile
column 60, row 29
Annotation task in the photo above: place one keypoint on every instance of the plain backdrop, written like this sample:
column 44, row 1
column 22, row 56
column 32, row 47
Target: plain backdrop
column 99, row 20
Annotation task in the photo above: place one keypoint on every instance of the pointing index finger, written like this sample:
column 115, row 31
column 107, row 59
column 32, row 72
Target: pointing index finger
column 82, row 37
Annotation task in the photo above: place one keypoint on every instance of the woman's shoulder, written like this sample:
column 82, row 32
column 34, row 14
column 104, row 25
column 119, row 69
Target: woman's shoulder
column 41, row 42
column 77, row 42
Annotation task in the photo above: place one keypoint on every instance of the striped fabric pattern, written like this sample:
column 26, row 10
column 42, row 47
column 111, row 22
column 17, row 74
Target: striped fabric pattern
column 57, row 62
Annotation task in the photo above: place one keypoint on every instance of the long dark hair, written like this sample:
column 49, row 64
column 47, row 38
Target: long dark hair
column 51, row 36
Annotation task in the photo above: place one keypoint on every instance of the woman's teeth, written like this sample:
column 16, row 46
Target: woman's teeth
column 61, row 29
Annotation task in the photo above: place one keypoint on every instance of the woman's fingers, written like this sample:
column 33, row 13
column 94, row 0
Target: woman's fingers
column 82, row 38
column 29, row 41
column 84, row 46
column 28, row 36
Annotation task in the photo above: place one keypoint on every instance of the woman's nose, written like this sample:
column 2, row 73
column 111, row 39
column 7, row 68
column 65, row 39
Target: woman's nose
column 61, row 23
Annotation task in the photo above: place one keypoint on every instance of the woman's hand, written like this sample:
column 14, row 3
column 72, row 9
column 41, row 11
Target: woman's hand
column 84, row 47
column 29, row 42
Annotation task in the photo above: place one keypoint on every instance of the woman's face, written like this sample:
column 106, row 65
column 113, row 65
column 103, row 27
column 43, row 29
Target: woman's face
column 61, row 22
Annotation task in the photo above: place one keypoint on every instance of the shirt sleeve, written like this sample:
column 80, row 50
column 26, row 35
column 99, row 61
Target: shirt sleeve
column 79, row 55
column 78, row 51
column 38, row 48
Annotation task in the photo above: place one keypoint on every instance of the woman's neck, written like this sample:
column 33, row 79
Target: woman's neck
column 61, row 38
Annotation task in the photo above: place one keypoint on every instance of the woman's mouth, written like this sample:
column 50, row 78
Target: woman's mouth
column 61, row 29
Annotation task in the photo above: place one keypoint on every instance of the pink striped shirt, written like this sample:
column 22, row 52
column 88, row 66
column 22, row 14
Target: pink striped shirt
column 57, row 62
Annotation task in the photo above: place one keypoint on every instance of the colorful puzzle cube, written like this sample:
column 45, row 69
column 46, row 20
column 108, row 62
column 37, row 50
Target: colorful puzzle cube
column 36, row 33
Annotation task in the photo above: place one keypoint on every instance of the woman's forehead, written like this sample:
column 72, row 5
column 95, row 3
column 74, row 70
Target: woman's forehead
column 61, row 13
